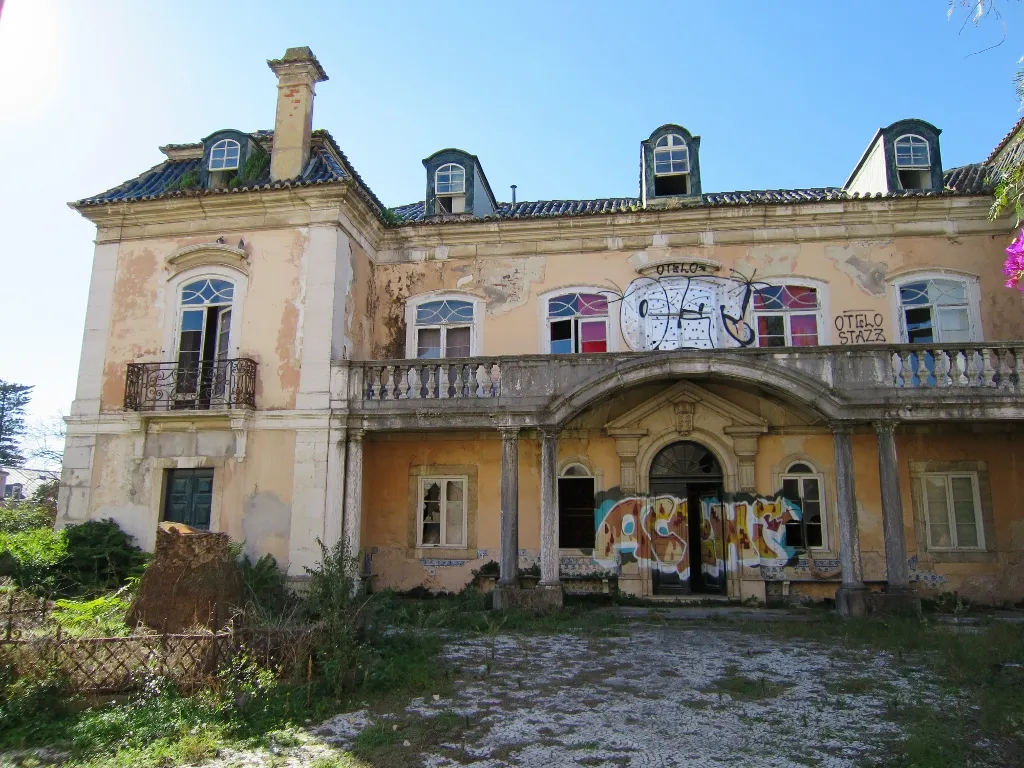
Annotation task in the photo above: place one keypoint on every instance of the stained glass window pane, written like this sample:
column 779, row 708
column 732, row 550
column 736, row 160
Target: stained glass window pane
column 592, row 304
column 771, row 331
column 800, row 297
column 914, row 293
column 804, row 330
column 563, row 306
column 441, row 312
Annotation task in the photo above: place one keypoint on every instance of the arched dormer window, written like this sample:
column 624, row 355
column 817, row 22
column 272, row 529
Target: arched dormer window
column 913, row 162
column 671, row 166
column 225, row 155
column 802, row 488
column 450, row 188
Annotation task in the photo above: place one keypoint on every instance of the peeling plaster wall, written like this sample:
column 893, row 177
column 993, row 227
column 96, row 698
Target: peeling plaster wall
column 252, row 498
column 271, row 326
column 856, row 271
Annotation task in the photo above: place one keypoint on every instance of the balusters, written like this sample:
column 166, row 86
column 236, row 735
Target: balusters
column 1018, row 356
column 988, row 372
column 971, row 372
column 442, row 382
column 481, row 380
column 459, row 383
column 388, row 392
column 414, row 383
column 939, row 358
column 403, row 383
column 906, row 361
column 496, row 378
column 1005, row 380
column 431, row 382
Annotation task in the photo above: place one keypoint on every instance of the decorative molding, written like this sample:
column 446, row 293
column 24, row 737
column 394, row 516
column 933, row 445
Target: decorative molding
column 207, row 254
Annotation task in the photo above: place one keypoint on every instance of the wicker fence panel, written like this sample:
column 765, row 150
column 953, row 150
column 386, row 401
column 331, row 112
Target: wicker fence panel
column 22, row 614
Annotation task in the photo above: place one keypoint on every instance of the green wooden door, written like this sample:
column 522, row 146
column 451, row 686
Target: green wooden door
column 189, row 497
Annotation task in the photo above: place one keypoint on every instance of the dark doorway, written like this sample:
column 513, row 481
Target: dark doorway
column 189, row 497
column 690, row 473
column 576, row 509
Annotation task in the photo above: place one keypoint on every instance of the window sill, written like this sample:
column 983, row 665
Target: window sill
column 442, row 553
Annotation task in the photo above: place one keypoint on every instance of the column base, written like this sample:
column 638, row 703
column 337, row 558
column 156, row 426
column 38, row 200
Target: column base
column 852, row 601
column 544, row 597
column 895, row 602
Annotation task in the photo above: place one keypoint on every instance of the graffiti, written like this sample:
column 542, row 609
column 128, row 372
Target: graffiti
column 860, row 326
column 654, row 531
column 683, row 268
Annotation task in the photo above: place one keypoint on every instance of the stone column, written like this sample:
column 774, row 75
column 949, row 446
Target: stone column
column 353, row 522
column 899, row 597
column 509, row 507
column 549, row 576
column 851, row 598
column 335, row 506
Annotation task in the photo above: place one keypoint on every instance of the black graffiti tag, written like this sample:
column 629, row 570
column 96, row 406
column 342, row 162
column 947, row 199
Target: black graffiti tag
column 860, row 326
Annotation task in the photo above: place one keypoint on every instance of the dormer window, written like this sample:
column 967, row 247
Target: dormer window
column 225, row 155
column 450, row 188
column 913, row 162
column 671, row 166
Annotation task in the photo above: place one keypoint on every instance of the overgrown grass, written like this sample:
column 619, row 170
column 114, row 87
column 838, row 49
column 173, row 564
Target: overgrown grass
column 743, row 688
column 979, row 719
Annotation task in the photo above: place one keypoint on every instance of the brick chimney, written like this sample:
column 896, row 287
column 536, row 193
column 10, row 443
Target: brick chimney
column 297, row 72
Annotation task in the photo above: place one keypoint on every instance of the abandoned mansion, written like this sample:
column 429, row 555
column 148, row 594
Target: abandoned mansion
column 777, row 394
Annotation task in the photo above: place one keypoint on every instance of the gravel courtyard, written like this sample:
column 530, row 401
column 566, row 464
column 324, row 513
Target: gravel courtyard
column 649, row 696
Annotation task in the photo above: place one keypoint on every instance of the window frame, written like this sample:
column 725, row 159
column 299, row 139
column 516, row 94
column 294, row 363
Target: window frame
column 671, row 147
column 979, row 522
column 412, row 329
column 437, row 183
column 424, row 480
column 173, row 308
column 226, row 143
column 814, row 474
column 910, row 137
column 795, row 281
column 972, row 294
column 611, row 330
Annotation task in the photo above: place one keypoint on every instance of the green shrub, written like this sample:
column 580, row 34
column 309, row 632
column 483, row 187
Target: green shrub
column 102, row 617
column 26, row 516
column 35, row 559
column 268, row 601
column 29, row 694
column 100, row 556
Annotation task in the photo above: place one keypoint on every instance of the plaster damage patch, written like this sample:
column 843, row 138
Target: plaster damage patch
column 506, row 282
column 854, row 262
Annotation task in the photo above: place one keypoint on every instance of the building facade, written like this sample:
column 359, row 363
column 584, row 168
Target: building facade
column 810, row 392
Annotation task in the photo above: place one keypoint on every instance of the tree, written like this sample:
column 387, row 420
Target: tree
column 13, row 399
column 44, row 441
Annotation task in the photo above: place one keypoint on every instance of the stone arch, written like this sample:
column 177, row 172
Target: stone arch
column 652, row 445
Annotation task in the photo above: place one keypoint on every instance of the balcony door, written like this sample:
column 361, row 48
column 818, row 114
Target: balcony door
column 203, row 343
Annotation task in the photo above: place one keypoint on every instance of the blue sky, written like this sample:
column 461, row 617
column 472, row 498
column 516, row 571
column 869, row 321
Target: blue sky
column 553, row 97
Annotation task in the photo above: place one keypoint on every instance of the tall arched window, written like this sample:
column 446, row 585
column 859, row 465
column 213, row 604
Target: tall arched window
column 225, row 155
column 802, row 495
column 577, row 322
column 671, row 166
column 204, row 337
column 450, row 189
column 576, row 508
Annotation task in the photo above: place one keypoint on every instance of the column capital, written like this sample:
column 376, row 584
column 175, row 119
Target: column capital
column 550, row 433
column 841, row 427
column 355, row 435
column 884, row 426
column 509, row 432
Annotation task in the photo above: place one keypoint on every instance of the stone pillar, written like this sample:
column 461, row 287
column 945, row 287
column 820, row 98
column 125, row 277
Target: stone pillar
column 353, row 522
column 509, row 507
column 851, row 597
column 334, row 509
column 898, row 597
column 550, row 580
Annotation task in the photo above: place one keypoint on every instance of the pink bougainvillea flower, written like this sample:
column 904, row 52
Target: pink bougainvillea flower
column 1013, row 267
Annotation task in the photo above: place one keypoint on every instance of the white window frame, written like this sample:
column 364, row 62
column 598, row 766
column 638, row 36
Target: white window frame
column 972, row 293
column 796, row 281
column 670, row 146
column 910, row 138
column 442, row 544
column 174, row 309
column 448, row 168
column 611, row 339
column 979, row 522
column 225, row 145
column 814, row 474
column 475, row 328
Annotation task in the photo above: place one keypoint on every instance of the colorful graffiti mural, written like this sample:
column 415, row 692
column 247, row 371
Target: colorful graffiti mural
column 654, row 531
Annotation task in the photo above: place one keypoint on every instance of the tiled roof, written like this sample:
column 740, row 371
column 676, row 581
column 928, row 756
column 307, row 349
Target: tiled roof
column 967, row 180
column 1005, row 140
column 327, row 164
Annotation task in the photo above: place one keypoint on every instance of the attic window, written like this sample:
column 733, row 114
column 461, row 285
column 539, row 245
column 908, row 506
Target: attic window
column 450, row 188
column 224, row 155
column 913, row 162
column 671, row 166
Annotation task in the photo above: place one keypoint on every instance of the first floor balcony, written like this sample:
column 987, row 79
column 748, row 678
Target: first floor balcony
column 191, row 386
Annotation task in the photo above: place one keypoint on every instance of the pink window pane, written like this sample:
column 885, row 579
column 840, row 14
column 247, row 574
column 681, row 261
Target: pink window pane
column 592, row 304
column 804, row 329
column 800, row 297
column 593, row 337
column 771, row 331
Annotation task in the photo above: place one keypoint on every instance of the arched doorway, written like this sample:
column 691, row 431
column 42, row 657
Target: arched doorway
column 690, row 474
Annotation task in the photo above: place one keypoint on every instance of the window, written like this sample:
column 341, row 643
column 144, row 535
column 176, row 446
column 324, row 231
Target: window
column 801, row 493
column 913, row 163
column 189, row 497
column 577, row 322
column 953, row 511
column 444, row 328
column 935, row 310
column 224, row 155
column 671, row 166
column 203, row 340
column 442, row 512
column 13, row 491
column 912, row 152
column 576, row 508
column 786, row 316
column 450, row 188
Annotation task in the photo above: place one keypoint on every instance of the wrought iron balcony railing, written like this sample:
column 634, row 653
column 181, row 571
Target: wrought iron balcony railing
column 212, row 385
